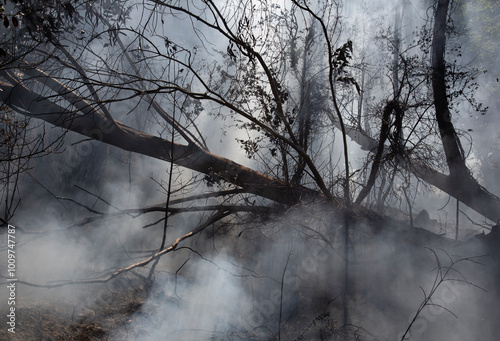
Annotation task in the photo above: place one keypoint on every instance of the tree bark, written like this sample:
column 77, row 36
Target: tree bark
column 377, row 160
column 95, row 125
column 460, row 183
column 451, row 143
column 469, row 192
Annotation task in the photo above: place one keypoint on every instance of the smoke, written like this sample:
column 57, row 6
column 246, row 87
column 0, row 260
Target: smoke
column 262, row 279
column 205, row 303
column 282, row 278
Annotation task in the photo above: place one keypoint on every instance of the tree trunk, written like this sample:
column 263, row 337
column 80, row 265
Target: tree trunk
column 451, row 143
column 96, row 126
column 460, row 182
column 469, row 192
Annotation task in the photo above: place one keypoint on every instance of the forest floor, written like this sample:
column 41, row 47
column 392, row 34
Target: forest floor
column 108, row 312
column 44, row 320
column 120, row 315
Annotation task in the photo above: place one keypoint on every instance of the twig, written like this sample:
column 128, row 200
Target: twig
column 214, row 218
column 441, row 277
column 281, row 294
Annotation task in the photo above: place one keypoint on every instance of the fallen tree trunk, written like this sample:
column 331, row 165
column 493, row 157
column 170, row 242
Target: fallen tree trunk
column 81, row 117
column 95, row 125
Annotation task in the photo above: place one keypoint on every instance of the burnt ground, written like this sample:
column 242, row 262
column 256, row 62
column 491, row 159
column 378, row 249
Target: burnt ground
column 111, row 319
column 38, row 319
column 101, row 313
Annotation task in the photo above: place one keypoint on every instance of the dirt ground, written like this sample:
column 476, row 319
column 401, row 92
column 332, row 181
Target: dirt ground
column 47, row 319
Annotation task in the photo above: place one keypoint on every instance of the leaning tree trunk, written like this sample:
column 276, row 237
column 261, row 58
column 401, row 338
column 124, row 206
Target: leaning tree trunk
column 451, row 143
column 459, row 183
column 92, row 123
